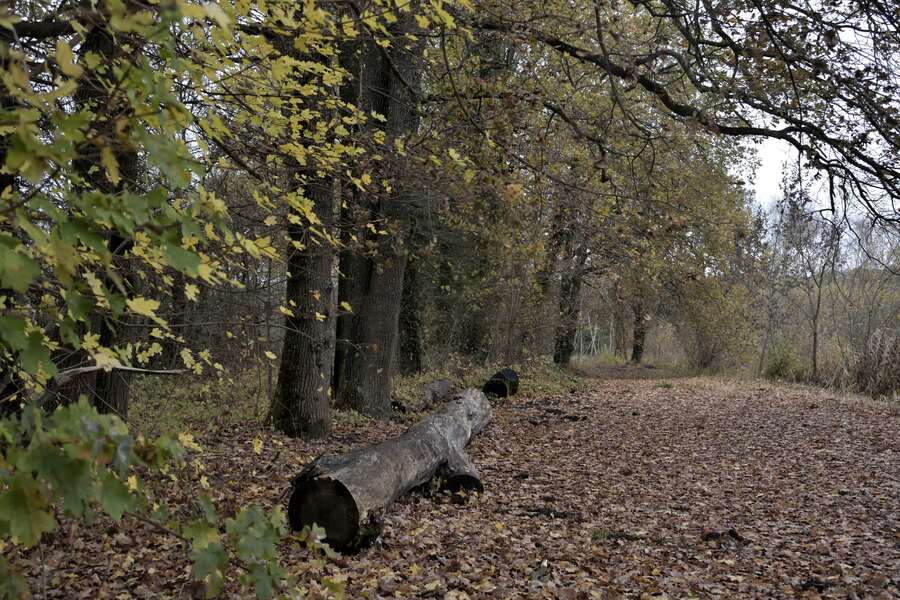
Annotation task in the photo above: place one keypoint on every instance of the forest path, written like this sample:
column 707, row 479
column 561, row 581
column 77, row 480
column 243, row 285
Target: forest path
column 635, row 486
column 678, row 487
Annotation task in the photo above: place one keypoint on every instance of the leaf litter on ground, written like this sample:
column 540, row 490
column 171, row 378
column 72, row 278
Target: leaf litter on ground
column 631, row 487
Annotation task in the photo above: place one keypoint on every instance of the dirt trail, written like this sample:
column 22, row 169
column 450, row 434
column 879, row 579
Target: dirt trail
column 678, row 487
column 636, row 488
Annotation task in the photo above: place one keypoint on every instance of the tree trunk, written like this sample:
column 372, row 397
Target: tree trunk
column 110, row 389
column 567, row 325
column 10, row 382
column 815, row 346
column 367, row 364
column 344, row 322
column 376, row 280
column 410, row 351
column 815, row 325
column 300, row 405
column 640, row 332
column 348, row 494
column 170, row 355
column 351, row 93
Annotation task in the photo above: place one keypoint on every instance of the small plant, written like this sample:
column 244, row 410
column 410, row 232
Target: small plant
column 76, row 463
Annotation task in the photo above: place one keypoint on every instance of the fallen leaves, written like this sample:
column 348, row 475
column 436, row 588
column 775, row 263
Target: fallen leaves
column 631, row 490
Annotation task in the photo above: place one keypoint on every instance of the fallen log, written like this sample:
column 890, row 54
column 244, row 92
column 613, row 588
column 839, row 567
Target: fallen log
column 348, row 494
column 437, row 391
column 503, row 383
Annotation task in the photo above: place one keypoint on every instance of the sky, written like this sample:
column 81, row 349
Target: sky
column 772, row 155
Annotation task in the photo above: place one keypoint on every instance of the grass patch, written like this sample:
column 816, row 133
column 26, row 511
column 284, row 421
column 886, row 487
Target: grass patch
column 170, row 405
column 194, row 403
column 537, row 377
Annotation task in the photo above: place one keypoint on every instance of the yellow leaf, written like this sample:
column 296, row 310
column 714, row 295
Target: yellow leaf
column 258, row 446
column 66, row 60
column 320, row 317
column 270, row 220
column 109, row 162
column 132, row 483
column 346, row 306
column 204, row 482
column 143, row 306
column 187, row 440
column 215, row 12
column 191, row 291
column 270, row 355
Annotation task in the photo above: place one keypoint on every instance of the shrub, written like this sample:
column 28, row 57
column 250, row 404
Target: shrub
column 715, row 324
column 877, row 370
column 782, row 362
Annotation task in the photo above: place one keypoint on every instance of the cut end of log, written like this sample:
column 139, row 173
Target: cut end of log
column 502, row 384
column 462, row 482
column 329, row 504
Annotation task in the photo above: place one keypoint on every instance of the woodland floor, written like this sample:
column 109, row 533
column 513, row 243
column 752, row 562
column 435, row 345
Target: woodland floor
column 634, row 486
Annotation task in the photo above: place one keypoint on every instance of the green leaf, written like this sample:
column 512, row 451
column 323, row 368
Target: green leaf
column 209, row 565
column 35, row 355
column 69, row 478
column 183, row 260
column 208, row 555
column 17, row 270
column 24, row 509
column 12, row 331
column 114, row 496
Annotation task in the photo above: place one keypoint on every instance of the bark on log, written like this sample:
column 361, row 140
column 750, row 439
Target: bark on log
column 348, row 494
column 504, row 382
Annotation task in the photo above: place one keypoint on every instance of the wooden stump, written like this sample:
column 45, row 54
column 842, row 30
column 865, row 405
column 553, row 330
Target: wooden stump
column 348, row 494
column 503, row 383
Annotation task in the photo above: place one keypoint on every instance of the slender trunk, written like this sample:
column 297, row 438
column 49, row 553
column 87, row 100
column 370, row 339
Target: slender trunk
column 300, row 405
column 178, row 321
column 567, row 324
column 640, row 332
column 410, row 350
column 344, row 319
column 351, row 93
column 621, row 325
column 815, row 335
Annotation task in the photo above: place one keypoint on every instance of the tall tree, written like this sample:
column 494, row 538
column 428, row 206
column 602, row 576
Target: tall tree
column 391, row 86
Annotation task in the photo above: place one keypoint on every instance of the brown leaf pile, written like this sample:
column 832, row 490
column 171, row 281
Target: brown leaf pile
column 637, row 488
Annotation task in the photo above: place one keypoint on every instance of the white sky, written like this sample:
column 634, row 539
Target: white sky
column 772, row 156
